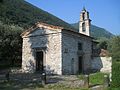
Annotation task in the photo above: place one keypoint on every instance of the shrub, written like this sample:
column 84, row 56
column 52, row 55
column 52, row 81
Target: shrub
column 10, row 45
column 116, row 74
column 115, row 62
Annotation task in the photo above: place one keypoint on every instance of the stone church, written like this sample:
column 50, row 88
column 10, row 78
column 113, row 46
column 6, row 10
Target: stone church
column 56, row 50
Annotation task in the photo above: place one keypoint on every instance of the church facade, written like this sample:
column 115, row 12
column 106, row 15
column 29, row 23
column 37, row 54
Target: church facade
column 56, row 50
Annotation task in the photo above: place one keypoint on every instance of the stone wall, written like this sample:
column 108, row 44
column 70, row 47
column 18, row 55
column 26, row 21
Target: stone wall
column 49, row 41
column 102, row 64
column 70, row 52
column 60, row 51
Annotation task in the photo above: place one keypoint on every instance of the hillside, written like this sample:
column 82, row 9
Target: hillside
column 24, row 14
column 96, row 31
column 17, row 15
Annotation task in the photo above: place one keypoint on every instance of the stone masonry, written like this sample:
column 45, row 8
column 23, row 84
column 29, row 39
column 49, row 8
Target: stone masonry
column 54, row 43
column 42, row 40
column 61, row 51
column 70, row 59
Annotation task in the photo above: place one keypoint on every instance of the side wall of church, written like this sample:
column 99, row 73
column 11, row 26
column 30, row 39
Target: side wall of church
column 70, row 53
column 49, row 41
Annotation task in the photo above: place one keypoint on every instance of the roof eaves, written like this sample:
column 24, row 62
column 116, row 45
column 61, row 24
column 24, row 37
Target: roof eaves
column 40, row 25
column 78, row 33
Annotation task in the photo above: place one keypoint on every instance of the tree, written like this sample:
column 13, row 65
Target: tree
column 1, row 1
column 115, row 48
column 10, row 43
column 103, row 43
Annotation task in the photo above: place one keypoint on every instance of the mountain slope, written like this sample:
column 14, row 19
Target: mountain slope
column 24, row 14
column 96, row 31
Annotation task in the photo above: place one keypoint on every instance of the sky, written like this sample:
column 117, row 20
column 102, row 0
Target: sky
column 103, row 13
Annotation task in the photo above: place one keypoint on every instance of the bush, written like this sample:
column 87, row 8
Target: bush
column 115, row 62
column 10, row 45
column 116, row 74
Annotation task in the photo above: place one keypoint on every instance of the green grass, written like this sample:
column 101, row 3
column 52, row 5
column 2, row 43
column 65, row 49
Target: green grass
column 12, row 85
column 96, row 78
column 113, row 88
column 62, row 87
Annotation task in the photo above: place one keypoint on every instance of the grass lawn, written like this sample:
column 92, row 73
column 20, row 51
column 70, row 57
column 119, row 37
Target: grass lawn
column 96, row 78
column 32, row 86
column 114, row 88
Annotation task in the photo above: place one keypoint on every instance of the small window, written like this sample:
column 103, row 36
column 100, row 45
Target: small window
column 79, row 46
column 66, row 50
column 83, row 27
column 83, row 15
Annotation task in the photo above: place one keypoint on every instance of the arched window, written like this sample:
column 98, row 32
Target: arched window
column 83, row 27
column 83, row 15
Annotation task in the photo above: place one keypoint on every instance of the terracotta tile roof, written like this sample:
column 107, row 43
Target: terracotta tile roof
column 50, row 27
column 42, row 26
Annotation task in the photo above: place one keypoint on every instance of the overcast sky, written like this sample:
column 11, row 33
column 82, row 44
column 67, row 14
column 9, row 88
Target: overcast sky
column 103, row 13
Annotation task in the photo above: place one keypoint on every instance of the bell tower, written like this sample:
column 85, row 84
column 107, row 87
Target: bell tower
column 84, row 24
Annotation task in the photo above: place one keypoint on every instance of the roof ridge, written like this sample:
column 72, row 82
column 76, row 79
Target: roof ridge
column 40, row 25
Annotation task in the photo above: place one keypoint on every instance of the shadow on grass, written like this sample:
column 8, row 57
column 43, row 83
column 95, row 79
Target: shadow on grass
column 94, row 85
column 13, row 85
